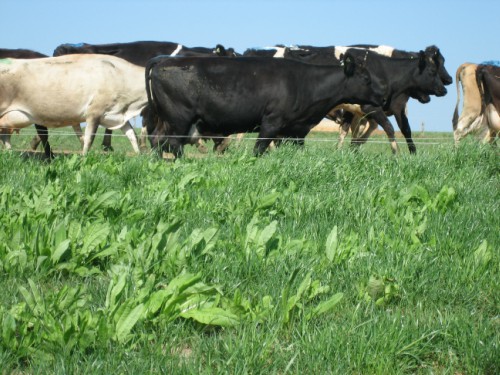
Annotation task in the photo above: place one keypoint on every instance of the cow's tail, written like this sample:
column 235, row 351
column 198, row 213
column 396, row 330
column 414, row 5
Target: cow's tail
column 457, row 81
column 152, row 105
column 480, row 87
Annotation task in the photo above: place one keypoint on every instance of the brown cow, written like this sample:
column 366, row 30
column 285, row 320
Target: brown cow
column 477, row 117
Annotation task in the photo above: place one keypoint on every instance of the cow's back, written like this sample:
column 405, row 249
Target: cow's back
column 20, row 53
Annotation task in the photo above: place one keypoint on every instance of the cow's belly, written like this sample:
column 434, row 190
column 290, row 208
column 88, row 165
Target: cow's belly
column 353, row 108
column 22, row 118
column 493, row 118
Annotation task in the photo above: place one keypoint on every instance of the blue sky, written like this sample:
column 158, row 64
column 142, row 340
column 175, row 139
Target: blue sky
column 465, row 31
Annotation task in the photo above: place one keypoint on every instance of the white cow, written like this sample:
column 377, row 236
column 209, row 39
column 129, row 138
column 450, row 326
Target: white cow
column 66, row 90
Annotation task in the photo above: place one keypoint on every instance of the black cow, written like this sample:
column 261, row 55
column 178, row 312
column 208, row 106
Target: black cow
column 416, row 75
column 350, row 121
column 139, row 53
column 276, row 97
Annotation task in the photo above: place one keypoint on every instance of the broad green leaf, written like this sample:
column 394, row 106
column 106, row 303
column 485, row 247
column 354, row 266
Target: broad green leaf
column 115, row 290
column 36, row 296
column 267, row 201
column 267, row 233
column 96, row 233
column 482, row 255
column 196, row 301
column 210, row 236
column 156, row 301
column 332, row 244
column 213, row 316
column 327, row 305
column 127, row 321
column 304, row 285
column 59, row 233
column 106, row 199
column 8, row 329
column 28, row 298
column 444, row 198
column 189, row 179
column 60, row 251
column 182, row 282
column 375, row 288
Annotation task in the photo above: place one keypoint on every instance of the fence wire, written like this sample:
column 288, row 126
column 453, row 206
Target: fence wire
column 246, row 138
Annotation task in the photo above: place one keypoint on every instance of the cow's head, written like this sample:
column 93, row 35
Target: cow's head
column 220, row 50
column 428, row 80
column 438, row 59
column 365, row 89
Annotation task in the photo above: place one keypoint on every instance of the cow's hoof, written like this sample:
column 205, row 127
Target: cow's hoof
column 203, row 149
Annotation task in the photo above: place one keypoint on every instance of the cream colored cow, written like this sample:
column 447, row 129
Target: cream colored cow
column 67, row 90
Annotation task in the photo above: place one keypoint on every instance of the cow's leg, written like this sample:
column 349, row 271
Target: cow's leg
column 266, row 135
column 379, row 117
column 239, row 137
column 493, row 124
column 5, row 138
column 466, row 125
column 174, row 145
column 346, row 123
column 399, row 108
column 343, row 131
column 35, row 141
column 296, row 135
column 144, row 136
column 200, row 145
column 404, row 126
column 221, row 144
column 43, row 134
column 128, row 130
column 362, row 131
column 89, row 136
column 78, row 131
column 106, row 141
column 359, row 126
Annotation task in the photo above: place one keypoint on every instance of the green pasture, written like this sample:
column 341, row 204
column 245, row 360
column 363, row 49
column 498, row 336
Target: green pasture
column 303, row 261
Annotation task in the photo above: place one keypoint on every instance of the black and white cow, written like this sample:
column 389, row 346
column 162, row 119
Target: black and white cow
column 139, row 53
column 275, row 97
column 402, row 85
column 362, row 126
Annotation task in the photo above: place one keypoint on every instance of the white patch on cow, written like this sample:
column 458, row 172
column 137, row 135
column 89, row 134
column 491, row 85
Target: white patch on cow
column 194, row 135
column 177, row 50
column 383, row 50
column 280, row 52
column 340, row 50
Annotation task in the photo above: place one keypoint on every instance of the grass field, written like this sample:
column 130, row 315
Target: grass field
column 305, row 261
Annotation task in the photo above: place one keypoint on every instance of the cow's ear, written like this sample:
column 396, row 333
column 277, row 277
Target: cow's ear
column 220, row 50
column 349, row 65
column 421, row 61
